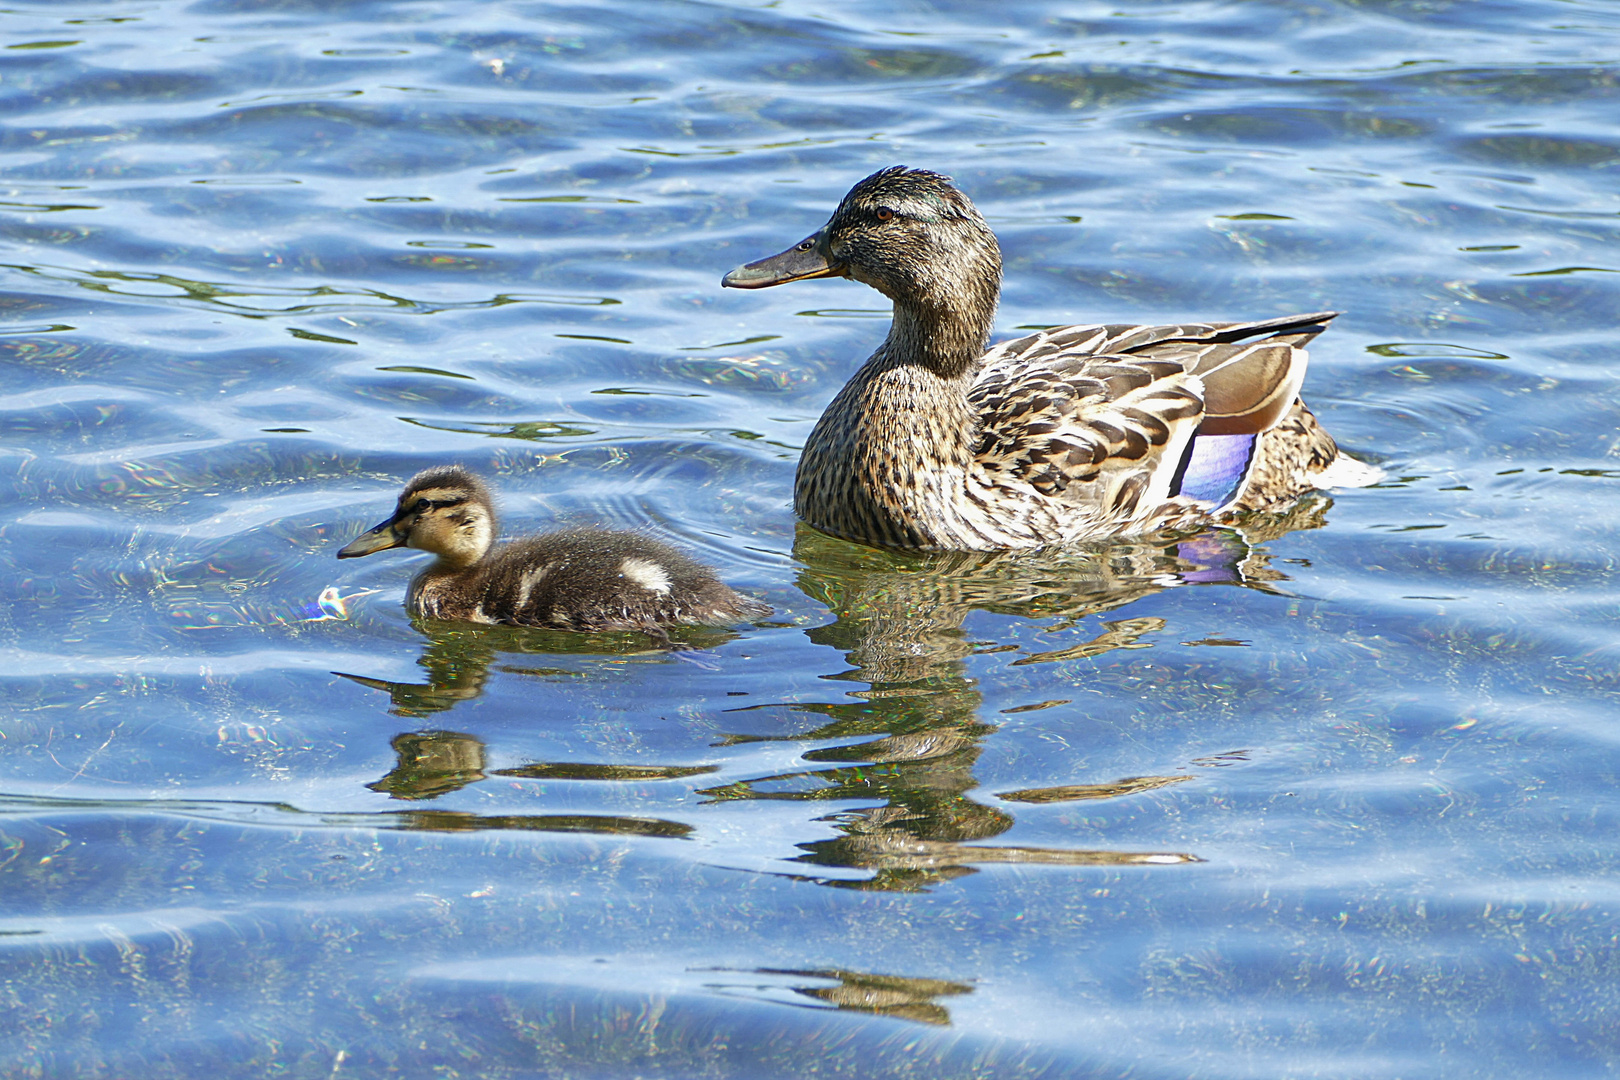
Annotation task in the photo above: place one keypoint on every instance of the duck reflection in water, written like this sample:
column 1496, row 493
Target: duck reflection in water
column 899, row 997
column 899, row 623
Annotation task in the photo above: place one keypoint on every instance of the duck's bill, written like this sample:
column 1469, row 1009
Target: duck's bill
column 797, row 263
column 380, row 538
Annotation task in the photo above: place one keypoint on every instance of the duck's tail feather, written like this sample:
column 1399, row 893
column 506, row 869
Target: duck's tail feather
column 1252, row 391
column 1345, row 471
column 1252, row 371
column 1308, row 325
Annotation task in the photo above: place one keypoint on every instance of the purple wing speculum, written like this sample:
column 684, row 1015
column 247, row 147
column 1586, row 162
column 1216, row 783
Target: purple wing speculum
column 1216, row 466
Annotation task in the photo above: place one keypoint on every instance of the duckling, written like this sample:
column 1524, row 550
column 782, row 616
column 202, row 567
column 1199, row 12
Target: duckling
column 578, row 579
column 1077, row 432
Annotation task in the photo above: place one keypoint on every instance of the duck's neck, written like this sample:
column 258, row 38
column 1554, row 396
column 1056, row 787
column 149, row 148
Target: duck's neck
column 440, row 589
column 458, row 563
column 946, row 338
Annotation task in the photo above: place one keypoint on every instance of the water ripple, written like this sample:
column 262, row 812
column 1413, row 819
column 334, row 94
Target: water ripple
column 1326, row 792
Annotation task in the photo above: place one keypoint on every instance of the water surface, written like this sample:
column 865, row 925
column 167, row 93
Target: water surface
column 1329, row 795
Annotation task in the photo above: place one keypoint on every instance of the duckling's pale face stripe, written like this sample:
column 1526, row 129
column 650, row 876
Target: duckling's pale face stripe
column 649, row 575
column 439, row 495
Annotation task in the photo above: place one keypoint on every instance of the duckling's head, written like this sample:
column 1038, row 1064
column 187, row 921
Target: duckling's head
column 911, row 236
column 446, row 510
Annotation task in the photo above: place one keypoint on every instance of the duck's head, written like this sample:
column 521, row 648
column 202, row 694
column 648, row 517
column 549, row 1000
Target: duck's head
column 907, row 233
column 445, row 510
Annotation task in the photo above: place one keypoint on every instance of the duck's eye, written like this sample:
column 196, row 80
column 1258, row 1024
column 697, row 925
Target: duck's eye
column 885, row 214
column 806, row 245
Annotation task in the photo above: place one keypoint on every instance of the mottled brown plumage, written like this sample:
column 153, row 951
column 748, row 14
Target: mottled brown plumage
column 575, row 579
column 1072, row 433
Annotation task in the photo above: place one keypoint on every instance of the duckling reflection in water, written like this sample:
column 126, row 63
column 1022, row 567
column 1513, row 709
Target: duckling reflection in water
column 577, row 579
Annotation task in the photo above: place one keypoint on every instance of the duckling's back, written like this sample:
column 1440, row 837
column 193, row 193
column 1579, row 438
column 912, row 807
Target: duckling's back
column 599, row 579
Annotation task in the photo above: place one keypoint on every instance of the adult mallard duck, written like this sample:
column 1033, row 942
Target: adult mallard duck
column 577, row 579
column 1071, row 433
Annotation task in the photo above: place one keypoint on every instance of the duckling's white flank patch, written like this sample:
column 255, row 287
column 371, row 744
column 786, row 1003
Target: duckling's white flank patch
column 649, row 575
column 529, row 580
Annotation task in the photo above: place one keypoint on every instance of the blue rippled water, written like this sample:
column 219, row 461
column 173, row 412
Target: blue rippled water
column 1331, row 795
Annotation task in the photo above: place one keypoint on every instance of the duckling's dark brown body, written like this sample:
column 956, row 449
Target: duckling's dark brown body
column 581, row 579
column 576, row 579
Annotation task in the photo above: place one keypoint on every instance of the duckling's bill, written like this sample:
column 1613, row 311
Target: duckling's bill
column 379, row 538
column 807, row 259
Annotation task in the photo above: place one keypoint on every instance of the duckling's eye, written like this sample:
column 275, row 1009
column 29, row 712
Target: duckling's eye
column 421, row 505
column 885, row 214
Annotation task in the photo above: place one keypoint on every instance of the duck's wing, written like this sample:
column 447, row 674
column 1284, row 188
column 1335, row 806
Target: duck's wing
column 1107, row 415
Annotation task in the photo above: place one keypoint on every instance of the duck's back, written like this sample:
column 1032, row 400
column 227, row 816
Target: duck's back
column 600, row 579
column 1126, row 423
